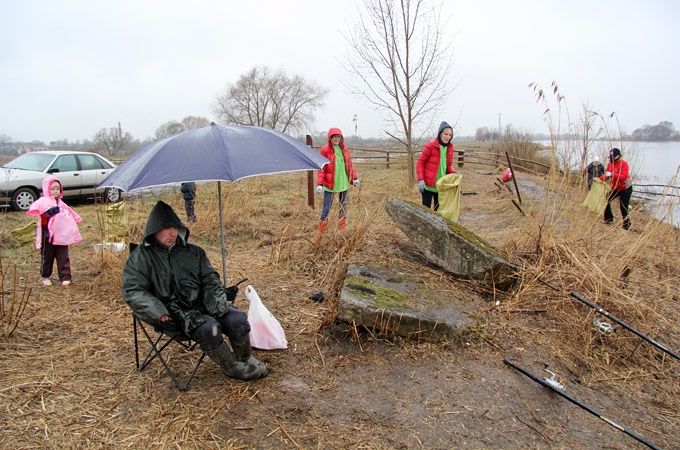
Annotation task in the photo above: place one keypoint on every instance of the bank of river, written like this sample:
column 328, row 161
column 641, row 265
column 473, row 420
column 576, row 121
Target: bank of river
column 652, row 163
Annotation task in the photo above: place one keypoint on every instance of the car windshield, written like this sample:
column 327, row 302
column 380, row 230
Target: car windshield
column 30, row 161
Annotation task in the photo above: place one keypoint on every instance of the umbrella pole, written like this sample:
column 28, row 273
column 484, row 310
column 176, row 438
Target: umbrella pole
column 224, row 249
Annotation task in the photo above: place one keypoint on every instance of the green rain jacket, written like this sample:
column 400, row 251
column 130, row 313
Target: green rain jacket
column 179, row 281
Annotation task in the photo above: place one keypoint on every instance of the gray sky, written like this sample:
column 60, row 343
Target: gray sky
column 69, row 68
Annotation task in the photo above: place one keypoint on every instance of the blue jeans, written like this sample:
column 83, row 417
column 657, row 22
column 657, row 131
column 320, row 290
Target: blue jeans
column 328, row 201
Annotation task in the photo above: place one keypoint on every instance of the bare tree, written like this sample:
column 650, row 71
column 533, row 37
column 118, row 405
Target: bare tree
column 270, row 99
column 112, row 140
column 192, row 122
column 173, row 127
column 397, row 49
column 587, row 134
column 168, row 129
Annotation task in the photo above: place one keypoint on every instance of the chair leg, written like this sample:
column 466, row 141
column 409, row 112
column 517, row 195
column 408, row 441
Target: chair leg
column 156, row 352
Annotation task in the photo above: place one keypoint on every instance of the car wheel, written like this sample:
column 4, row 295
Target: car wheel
column 23, row 197
column 113, row 195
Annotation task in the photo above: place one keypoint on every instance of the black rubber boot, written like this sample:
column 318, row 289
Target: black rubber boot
column 225, row 358
column 242, row 353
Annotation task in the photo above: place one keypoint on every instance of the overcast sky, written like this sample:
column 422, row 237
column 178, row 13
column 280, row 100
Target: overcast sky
column 69, row 68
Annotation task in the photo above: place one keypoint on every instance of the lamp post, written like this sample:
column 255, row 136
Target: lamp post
column 500, row 130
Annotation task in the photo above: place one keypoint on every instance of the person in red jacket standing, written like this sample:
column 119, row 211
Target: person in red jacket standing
column 435, row 161
column 335, row 177
column 618, row 173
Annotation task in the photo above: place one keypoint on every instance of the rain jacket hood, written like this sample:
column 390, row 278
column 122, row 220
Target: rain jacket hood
column 47, row 182
column 163, row 216
column 443, row 126
column 333, row 132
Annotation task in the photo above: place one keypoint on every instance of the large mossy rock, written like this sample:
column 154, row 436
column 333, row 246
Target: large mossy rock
column 451, row 246
column 394, row 304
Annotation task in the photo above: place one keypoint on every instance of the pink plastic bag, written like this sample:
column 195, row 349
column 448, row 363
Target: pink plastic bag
column 266, row 333
column 506, row 175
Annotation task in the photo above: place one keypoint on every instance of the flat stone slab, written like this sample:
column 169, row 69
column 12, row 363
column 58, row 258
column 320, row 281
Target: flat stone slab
column 395, row 304
column 451, row 246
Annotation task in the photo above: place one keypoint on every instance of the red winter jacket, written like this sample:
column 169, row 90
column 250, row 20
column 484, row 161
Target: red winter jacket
column 427, row 167
column 620, row 173
column 326, row 176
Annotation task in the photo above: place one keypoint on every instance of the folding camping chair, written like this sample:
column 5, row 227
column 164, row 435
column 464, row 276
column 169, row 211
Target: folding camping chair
column 158, row 343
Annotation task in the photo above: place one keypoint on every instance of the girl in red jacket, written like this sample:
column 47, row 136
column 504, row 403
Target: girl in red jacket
column 622, row 186
column 435, row 161
column 335, row 177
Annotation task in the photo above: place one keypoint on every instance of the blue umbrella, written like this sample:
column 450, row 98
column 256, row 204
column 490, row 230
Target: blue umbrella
column 214, row 153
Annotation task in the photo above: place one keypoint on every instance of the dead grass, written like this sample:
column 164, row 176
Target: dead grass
column 67, row 376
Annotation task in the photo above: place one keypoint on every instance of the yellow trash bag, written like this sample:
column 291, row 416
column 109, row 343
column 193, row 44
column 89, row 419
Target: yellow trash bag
column 116, row 222
column 596, row 200
column 449, row 196
column 26, row 234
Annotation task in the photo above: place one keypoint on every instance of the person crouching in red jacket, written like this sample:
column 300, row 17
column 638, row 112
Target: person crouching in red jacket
column 337, row 176
column 435, row 161
column 622, row 186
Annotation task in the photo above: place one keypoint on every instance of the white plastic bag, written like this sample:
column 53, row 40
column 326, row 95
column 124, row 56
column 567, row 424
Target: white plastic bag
column 266, row 333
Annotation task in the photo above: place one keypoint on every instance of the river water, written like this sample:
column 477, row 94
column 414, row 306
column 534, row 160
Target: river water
column 651, row 163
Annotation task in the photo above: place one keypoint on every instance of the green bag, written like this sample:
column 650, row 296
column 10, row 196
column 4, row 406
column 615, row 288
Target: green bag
column 116, row 222
column 449, row 196
column 26, row 234
column 596, row 200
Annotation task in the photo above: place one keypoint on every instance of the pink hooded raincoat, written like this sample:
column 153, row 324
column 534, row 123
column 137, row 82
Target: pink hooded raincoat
column 63, row 226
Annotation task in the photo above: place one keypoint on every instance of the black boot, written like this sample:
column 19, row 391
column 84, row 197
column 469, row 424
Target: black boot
column 224, row 358
column 241, row 347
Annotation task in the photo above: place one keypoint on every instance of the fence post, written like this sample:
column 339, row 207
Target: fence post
column 310, row 179
column 514, row 179
column 461, row 158
column 388, row 159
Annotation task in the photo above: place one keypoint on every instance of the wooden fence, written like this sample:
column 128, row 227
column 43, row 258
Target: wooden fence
column 397, row 157
column 389, row 157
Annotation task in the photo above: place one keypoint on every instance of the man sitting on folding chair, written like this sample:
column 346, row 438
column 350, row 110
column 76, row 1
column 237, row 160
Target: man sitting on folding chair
column 171, row 284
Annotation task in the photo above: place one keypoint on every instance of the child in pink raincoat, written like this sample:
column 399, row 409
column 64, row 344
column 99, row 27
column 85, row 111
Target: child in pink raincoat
column 57, row 229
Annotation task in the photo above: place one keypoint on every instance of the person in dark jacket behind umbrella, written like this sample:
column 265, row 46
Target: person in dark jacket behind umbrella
column 435, row 161
column 171, row 284
column 188, row 191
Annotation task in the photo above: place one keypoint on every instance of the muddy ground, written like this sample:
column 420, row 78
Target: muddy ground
column 68, row 378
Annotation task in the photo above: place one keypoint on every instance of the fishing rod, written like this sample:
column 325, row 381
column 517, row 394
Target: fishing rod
column 582, row 298
column 557, row 388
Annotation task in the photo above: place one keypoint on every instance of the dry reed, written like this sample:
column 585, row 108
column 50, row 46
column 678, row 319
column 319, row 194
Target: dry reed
column 68, row 378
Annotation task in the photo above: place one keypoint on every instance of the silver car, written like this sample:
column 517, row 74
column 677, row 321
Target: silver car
column 79, row 173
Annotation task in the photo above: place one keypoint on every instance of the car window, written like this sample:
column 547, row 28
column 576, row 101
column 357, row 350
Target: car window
column 30, row 161
column 65, row 163
column 90, row 162
column 105, row 164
